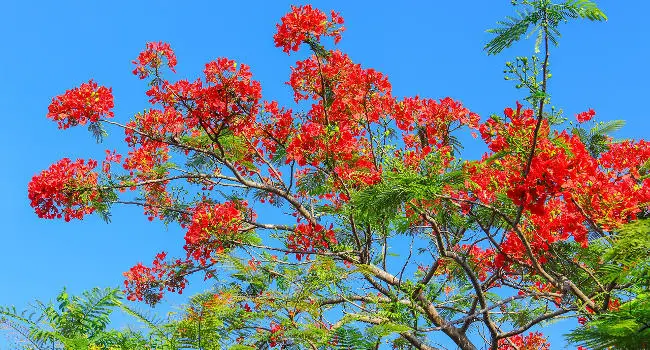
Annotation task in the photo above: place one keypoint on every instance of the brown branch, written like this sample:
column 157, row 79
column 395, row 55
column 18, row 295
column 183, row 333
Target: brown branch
column 409, row 336
column 537, row 320
column 559, row 281
column 430, row 310
column 540, row 114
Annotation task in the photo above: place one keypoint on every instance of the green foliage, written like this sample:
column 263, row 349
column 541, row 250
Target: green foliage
column 629, row 257
column 352, row 338
column 313, row 183
column 385, row 200
column 160, row 333
column 625, row 261
column 540, row 17
column 200, row 162
column 526, row 71
column 584, row 9
column 75, row 322
column 597, row 139
column 207, row 323
column 102, row 204
column 626, row 328
column 98, row 131
column 386, row 329
column 510, row 30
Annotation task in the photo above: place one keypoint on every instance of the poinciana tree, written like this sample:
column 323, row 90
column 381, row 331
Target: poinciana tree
column 379, row 232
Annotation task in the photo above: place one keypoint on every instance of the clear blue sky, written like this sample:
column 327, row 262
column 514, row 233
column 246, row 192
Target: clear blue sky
column 430, row 48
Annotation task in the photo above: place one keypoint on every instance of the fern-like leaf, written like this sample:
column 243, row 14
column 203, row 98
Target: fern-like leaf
column 585, row 9
column 510, row 30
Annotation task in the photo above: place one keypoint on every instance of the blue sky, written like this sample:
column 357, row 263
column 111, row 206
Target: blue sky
column 429, row 48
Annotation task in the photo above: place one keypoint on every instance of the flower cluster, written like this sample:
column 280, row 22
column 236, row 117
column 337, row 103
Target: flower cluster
column 87, row 103
column 310, row 237
column 349, row 102
column 277, row 128
column 147, row 156
column 304, row 23
column 482, row 259
column 564, row 188
column 231, row 99
column 426, row 126
column 585, row 116
column 149, row 283
column 111, row 157
column 213, row 228
column 150, row 60
column 66, row 189
column 532, row 341
column 626, row 158
column 276, row 330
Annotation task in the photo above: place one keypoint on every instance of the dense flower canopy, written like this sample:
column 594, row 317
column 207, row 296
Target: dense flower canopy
column 349, row 181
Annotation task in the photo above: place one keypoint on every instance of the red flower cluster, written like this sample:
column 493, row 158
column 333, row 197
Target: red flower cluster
column 138, row 281
column 565, row 186
column 213, row 228
column 426, row 126
column 277, row 128
column 144, row 161
column 149, row 283
column 228, row 102
column 150, row 60
column 434, row 117
column 231, row 99
column 585, row 116
column 626, row 158
column 481, row 259
column 336, row 131
column 500, row 135
column 111, row 157
column 532, row 341
column 304, row 23
column 276, row 333
column 87, row 103
column 309, row 237
column 66, row 189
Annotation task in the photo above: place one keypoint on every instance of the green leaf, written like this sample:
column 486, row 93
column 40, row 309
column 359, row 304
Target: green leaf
column 510, row 30
column 586, row 9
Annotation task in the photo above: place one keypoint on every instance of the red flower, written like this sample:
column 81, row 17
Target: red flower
column 212, row 229
column 231, row 98
column 585, row 116
column 66, row 189
column 86, row 103
column 304, row 23
column 532, row 341
column 152, row 57
column 276, row 331
column 148, row 283
column 111, row 157
column 247, row 308
column 308, row 237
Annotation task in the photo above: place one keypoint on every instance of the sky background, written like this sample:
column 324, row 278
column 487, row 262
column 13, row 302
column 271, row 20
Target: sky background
column 427, row 48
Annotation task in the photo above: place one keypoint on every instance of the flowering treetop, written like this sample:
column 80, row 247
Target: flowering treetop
column 361, row 175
